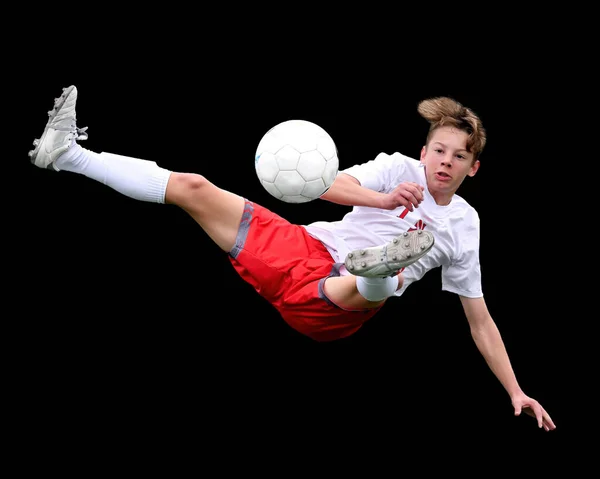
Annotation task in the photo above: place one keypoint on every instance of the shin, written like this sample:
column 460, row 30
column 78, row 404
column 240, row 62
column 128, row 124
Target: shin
column 138, row 179
column 217, row 211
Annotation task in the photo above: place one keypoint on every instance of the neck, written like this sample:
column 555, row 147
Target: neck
column 441, row 198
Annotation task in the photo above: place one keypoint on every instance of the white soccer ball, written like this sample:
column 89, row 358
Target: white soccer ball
column 296, row 161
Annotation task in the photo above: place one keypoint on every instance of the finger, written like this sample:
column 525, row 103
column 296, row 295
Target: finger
column 412, row 199
column 548, row 420
column 416, row 196
column 405, row 199
column 539, row 415
column 518, row 410
column 419, row 194
column 535, row 411
column 417, row 191
column 405, row 202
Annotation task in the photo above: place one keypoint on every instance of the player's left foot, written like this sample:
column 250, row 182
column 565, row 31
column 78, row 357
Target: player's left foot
column 387, row 260
column 60, row 133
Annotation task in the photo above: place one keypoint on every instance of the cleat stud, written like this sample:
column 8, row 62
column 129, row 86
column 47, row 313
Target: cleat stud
column 350, row 255
column 363, row 264
column 394, row 257
column 395, row 241
column 362, row 252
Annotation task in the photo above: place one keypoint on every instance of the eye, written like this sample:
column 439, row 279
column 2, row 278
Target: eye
column 462, row 157
column 438, row 150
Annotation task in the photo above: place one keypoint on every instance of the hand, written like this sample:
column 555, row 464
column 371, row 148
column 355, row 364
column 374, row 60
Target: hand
column 406, row 194
column 534, row 409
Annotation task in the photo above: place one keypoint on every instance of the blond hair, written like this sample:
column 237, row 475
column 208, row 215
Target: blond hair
column 444, row 111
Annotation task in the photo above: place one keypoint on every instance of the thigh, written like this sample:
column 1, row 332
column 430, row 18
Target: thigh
column 342, row 291
column 218, row 211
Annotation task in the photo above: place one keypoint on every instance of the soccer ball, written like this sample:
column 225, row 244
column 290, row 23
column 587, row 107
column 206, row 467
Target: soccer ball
column 296, row 161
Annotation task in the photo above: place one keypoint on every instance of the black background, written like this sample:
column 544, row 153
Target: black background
column 137, row 326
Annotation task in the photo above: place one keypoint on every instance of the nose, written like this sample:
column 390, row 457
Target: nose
column 447, row 161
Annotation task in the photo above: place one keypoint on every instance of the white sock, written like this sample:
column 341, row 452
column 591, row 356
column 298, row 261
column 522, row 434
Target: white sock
column 139, row 179
column 376, row 289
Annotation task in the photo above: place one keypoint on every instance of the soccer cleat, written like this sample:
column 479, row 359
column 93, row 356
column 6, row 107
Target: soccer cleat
column 60, row 133
column 387, row 260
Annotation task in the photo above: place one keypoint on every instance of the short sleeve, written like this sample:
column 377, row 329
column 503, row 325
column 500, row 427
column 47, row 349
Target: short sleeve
column 380, row 174
column 463, row 275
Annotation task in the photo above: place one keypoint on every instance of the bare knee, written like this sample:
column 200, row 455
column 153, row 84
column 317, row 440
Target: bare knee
column 217, row 211
column 186, row 189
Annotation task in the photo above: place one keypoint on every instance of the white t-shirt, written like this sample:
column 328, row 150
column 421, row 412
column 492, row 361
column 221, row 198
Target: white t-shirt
column 455, row 227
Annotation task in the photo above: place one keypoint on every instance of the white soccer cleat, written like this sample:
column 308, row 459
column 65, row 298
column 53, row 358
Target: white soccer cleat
column 387, row 260
column 60, row 133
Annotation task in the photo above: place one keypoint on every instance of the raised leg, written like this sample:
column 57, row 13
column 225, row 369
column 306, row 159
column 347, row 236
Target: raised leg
column 373, row 270
column 217, row 211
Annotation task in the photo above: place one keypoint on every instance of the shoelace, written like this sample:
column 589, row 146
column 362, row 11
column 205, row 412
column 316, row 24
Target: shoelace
column 81, row 133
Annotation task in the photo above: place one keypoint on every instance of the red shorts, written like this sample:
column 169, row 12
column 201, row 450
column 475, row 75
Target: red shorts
column 288, row 267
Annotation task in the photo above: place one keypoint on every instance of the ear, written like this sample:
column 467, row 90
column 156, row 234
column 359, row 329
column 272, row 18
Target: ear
column 423, row 151
column 474, row 169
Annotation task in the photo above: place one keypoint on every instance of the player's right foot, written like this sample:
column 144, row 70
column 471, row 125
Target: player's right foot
column 387, row 260
column 60, row 133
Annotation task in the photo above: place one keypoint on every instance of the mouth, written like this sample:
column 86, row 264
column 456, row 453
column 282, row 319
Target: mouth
column 442, row 176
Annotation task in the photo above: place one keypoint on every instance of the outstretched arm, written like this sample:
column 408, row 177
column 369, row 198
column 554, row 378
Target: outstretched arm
column 489, row 342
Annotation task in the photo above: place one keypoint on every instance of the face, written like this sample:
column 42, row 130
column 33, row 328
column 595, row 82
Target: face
column 447, row 163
